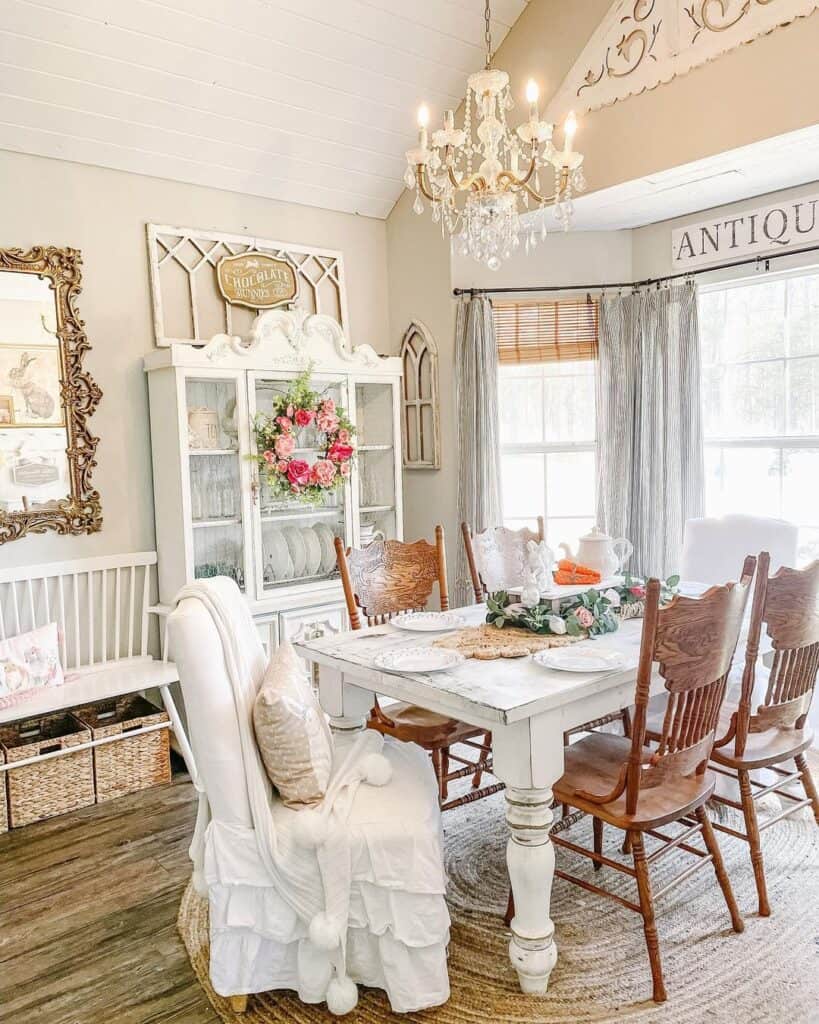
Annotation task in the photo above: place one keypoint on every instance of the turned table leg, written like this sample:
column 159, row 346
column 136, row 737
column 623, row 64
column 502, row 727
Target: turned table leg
column 528, row 757
column 348, row 706
column 530, row 858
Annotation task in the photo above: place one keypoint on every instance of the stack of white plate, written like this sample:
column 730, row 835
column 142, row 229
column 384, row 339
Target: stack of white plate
column 300, row 552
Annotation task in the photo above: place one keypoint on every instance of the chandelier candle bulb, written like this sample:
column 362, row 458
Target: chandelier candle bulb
column 423, row 121
column 532, row 94
column 569, row 131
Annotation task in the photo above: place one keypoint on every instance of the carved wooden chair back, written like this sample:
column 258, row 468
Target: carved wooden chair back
column 693, row 641
column 788, row 605
column 497, row 555
column 391, row 576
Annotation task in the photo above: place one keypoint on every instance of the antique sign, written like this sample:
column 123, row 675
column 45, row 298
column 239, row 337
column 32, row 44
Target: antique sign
column 257, row 280
column 787, row 225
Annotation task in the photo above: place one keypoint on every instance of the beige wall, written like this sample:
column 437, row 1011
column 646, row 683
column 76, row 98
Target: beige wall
column 758, row 91
column 103, row 213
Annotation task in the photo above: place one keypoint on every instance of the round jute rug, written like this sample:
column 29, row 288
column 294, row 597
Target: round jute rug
column 769, row 973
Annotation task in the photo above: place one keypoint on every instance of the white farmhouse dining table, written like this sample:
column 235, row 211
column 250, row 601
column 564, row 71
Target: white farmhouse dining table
column 527, row 708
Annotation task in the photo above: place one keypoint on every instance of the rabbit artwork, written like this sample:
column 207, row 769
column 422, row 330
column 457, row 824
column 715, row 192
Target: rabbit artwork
column 39, row 403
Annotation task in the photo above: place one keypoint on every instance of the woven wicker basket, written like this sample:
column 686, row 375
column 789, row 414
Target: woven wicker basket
column 4, row 799
column 127, row 765
column 38, row 791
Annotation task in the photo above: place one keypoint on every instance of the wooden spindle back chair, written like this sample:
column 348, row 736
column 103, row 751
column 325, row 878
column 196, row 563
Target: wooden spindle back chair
column 787, row 604
column 638, row 789
column 380, row 581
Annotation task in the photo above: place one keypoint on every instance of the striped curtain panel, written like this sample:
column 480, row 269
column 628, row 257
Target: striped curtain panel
column 476, row 398
column 650, row 475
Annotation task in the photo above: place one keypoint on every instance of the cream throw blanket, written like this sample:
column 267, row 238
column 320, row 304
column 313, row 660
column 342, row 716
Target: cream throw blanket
column 310, row 864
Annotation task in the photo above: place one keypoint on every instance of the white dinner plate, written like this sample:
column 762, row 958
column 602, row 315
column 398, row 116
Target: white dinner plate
column 282, row 562
column 313, row 549
column 428, row 622
column 298, row 552
column 328, row 552
column 418, row 659
column 580, row 659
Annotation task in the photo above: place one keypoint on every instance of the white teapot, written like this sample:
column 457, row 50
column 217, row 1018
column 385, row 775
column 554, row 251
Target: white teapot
column 599, row 552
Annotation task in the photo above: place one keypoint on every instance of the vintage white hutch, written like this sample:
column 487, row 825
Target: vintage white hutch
column 213, row 514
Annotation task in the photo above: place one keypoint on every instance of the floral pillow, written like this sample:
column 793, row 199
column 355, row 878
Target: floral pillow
column 28, row 663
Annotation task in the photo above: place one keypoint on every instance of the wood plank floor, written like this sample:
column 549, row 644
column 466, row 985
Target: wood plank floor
column 88, row 905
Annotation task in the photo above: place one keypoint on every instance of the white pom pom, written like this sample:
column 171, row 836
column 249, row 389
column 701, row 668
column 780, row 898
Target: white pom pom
column 323, row 933
column 376, row 770
column 310, row 829
column 342, row 996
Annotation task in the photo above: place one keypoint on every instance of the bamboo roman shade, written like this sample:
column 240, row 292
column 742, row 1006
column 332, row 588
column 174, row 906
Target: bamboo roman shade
column 544, row 332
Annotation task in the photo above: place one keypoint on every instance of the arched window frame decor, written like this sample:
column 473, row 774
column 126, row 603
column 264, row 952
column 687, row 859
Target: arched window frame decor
column 417, row 346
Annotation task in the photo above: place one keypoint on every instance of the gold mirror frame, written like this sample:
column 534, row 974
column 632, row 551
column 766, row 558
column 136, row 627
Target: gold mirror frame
column 81, row 512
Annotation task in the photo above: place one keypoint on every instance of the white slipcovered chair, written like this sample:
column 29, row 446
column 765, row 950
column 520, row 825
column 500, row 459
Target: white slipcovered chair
column 714, row 548
column 397, row 922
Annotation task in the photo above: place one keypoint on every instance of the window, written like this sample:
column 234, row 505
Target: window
column 547, row 355
column 760, row 352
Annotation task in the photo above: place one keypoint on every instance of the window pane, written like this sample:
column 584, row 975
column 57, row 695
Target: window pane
column 800, row 485
column 571, row 481
column 521, row 406
column 714, row 494
column 803, row 314
column 749, row 480
column 746, row 400
column 569, row 402
column 522, row 482
column 803, row 396
column 566, row 531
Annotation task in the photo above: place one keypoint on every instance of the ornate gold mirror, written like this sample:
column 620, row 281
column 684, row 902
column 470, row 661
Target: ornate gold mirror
column 46, row 398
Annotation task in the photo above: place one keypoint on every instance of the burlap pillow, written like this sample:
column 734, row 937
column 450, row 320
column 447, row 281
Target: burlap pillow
column 291, row 731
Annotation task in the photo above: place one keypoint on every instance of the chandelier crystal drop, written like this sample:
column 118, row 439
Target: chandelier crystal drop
column 483, row 160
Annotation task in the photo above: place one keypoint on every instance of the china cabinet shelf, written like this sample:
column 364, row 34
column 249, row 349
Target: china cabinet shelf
column 283, row 516
column 283, row 554
column 204, row 524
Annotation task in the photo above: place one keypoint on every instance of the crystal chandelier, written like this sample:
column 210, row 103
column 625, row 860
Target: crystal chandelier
column 489, row 226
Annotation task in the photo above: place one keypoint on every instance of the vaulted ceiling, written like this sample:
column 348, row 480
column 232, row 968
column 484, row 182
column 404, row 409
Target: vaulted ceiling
column 308, row 101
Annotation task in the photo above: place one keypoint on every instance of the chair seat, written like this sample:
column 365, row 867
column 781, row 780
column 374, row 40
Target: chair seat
column 593, row 765
column 762, row 748
column 413, row 724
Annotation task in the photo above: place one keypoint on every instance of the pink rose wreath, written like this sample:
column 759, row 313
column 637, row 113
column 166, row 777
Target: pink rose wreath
column 286, row 473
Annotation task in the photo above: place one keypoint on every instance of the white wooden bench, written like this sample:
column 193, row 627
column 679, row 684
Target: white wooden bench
column 102, row 607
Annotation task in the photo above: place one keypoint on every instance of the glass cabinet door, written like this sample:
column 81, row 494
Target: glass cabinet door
column 215, row 479
column 375, row 423
column 296, row 539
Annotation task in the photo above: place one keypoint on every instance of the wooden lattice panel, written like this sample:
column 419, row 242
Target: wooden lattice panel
column 188, row 306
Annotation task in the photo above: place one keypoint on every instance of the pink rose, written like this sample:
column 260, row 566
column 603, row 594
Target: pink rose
column 285, row 444
column 284, row 422
column 344, row 436
column 304, row 417
column 328, row 405
column 327, row 421
column 585, row 617
column 324, row 472
column 290, row 411
column 298, row 473
column 344, row 469
column 281, row 466
column 637, row 591
column 268, row 457
column 340, row 452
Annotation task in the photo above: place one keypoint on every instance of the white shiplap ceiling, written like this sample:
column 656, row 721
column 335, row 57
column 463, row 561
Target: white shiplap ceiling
column 308, row 101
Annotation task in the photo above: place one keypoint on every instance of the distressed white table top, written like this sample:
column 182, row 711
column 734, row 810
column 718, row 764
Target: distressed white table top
column 505, row 690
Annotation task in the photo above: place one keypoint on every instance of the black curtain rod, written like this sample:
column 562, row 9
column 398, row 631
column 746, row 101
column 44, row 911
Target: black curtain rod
column 636, row 284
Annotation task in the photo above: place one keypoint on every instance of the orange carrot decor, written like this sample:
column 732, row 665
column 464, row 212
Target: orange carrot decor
column 572, row 574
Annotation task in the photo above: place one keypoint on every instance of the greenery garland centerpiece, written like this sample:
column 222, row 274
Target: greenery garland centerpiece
column 592, row 613
column 287, row 474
